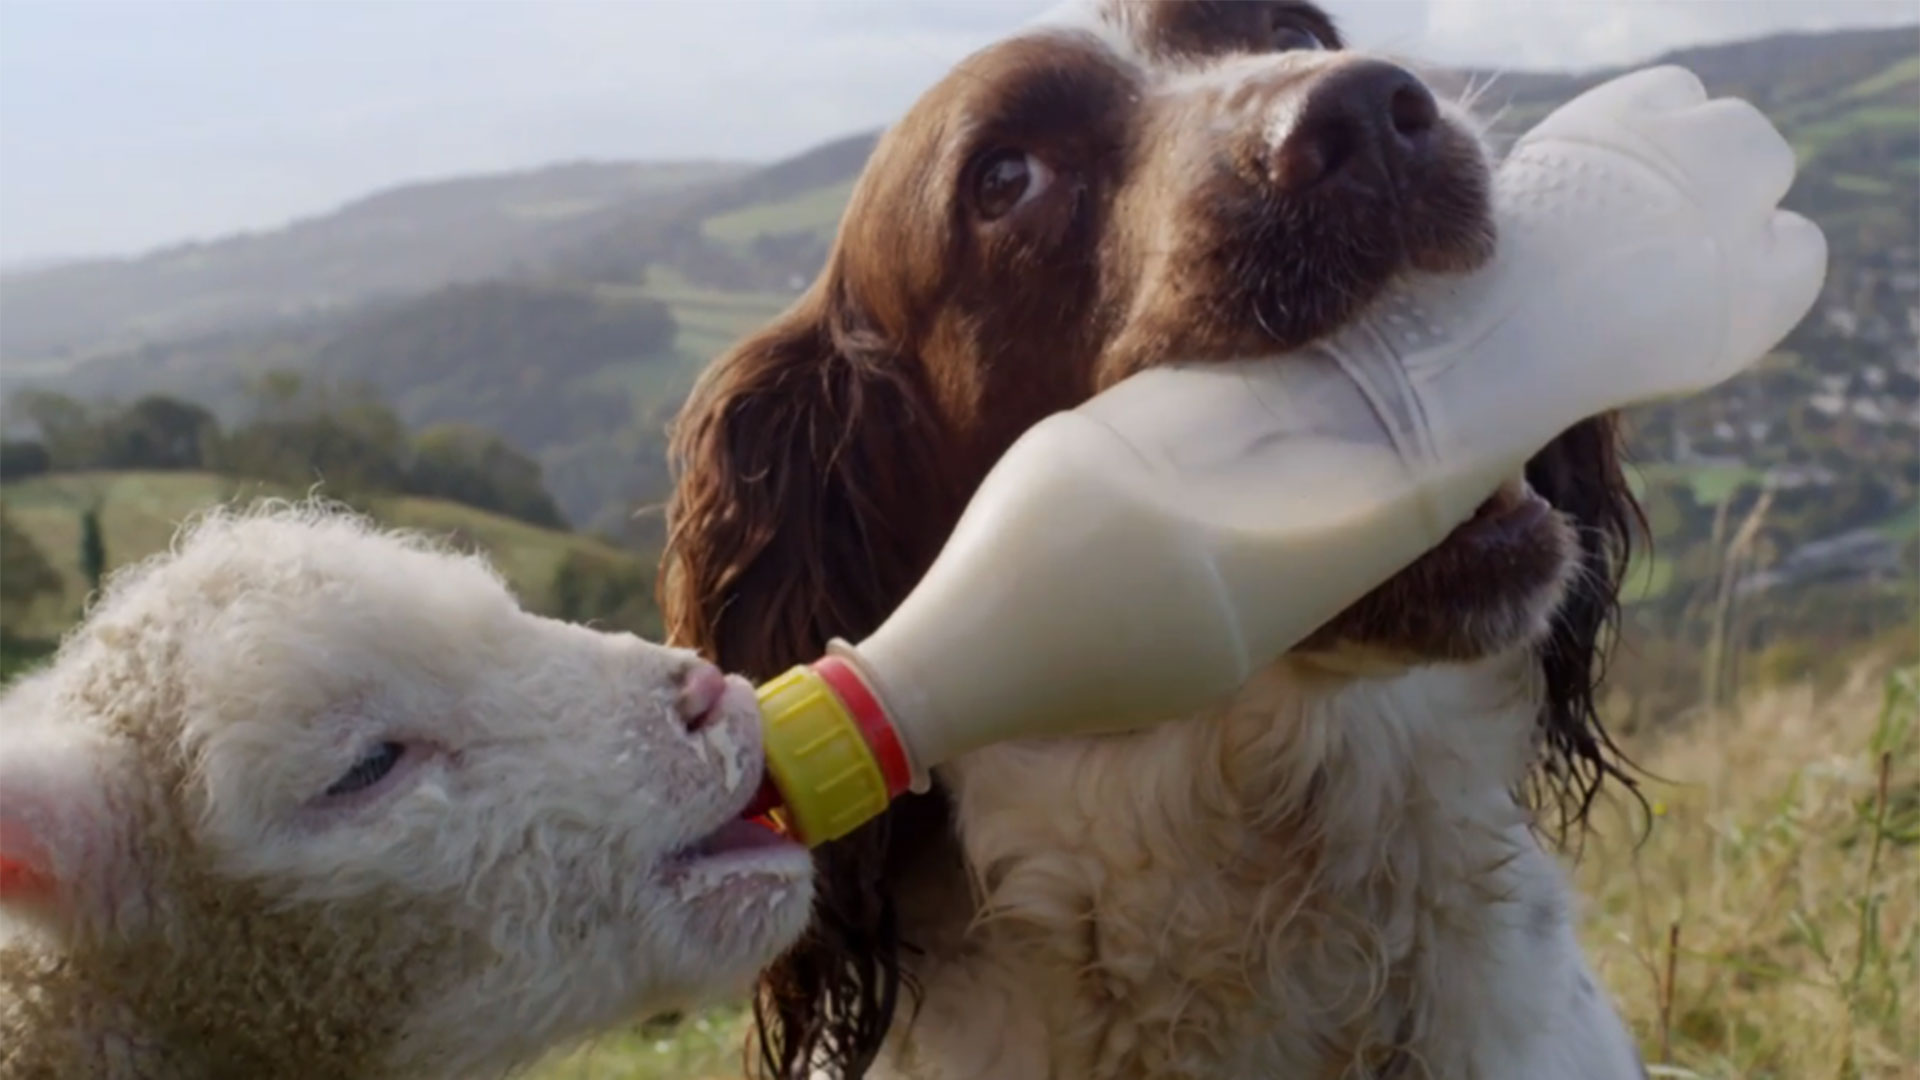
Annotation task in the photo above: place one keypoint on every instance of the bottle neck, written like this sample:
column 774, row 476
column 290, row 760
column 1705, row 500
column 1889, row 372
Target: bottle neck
column 869, row 716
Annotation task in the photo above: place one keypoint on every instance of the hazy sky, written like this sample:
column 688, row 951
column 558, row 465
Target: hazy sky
column 129, row 124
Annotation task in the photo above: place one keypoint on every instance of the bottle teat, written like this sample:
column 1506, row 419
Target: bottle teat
column 834, row 760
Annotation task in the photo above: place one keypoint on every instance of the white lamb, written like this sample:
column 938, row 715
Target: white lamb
column 305, row 799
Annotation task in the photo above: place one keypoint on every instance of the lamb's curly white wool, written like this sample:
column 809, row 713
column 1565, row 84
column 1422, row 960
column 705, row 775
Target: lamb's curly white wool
column 301, row 798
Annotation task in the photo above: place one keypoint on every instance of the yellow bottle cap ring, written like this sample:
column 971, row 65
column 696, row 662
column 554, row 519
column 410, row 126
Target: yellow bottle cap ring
column 830, row 779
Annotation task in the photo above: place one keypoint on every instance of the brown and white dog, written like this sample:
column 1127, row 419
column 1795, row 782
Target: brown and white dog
column 1337, row 875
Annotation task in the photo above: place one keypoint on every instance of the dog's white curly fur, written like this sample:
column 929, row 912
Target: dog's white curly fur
column 1332, row 878
column 1331, row 874
column 518, row 878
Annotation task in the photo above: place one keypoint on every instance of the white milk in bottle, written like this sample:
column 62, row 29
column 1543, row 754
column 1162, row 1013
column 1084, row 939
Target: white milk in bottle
column 1139, row 557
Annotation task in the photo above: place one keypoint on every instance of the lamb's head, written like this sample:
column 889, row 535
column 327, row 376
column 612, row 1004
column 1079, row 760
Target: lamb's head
column 305, row 792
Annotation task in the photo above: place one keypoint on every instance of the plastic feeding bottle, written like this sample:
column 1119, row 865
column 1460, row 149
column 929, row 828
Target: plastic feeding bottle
column 1141, row 556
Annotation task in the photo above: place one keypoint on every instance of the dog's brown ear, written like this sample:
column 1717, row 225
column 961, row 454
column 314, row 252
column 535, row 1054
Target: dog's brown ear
column 1581, row 755
column 808, row 492
column 811, row 493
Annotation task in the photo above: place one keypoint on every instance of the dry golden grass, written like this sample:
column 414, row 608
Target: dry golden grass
column 1784, row 851
column 1767, row 926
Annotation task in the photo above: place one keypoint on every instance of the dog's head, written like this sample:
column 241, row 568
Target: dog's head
column 1119, row 186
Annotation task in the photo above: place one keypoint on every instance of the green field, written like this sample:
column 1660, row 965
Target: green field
column 1648, row 578
column 1810, row 140
column 704, row 1047
column 1902, row 525
column 709, row 320
column 1711, row 485
column 139, row 513
column 1892, row 78
column 816, row 211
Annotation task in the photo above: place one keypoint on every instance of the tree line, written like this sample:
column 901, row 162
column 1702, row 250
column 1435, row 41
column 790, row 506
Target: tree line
column 298, row 432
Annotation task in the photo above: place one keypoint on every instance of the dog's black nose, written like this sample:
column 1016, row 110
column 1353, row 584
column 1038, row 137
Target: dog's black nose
column 1363, row 122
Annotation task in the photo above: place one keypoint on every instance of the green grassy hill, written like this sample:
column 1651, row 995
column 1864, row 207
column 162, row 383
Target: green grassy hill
column 140, row 511
column 405, row 240
column 1847, row 100
column 815, row 213
column 1829, row 422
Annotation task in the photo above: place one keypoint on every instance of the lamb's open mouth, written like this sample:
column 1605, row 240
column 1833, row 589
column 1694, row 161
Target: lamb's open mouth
column 737, row 836
column 739, row 845
column 739, row 863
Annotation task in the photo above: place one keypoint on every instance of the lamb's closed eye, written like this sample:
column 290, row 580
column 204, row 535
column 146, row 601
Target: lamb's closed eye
column 375, row 766
column 462, row 832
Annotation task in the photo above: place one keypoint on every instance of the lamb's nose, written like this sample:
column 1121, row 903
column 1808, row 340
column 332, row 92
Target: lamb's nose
column 700, row 691
column 1363, row 122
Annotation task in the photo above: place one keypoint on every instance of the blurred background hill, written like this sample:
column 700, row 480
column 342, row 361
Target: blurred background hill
column 564, row 312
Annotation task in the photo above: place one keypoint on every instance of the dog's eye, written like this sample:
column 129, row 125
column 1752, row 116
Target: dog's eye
column 372, row 768
column 1287, row 38
column 1006, row 179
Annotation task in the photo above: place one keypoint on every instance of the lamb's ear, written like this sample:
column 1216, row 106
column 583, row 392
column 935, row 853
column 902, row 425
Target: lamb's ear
column 60, row 851
column 1581, row 754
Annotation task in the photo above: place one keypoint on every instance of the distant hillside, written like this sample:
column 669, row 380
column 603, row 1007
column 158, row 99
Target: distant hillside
column 557, row 369
column 703, row 255
column 1847, row 99
column 410, row 239
column 139, row 513
column 761, row 231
